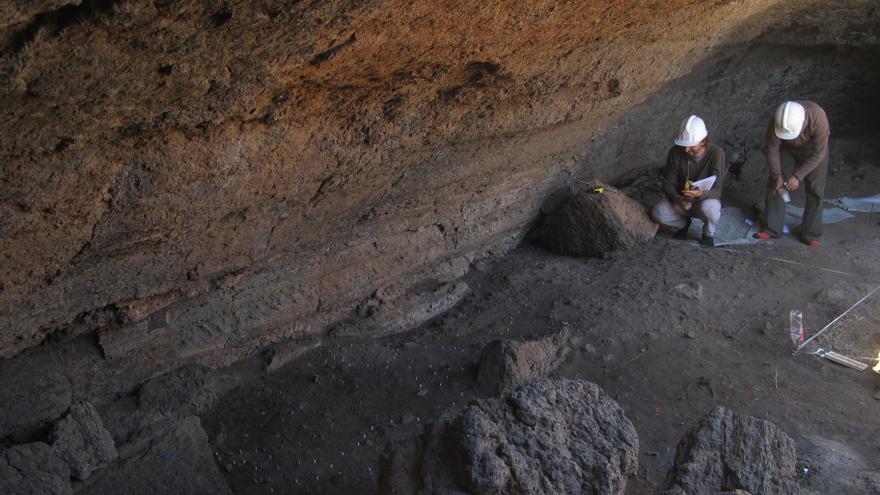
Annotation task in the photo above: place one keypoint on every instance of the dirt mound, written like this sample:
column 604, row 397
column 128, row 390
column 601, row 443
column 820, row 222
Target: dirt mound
column 551, row 436
column 593, row 223
column 507, row 364
column 727, row 451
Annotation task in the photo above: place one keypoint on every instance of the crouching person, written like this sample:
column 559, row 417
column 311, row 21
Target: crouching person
column 692, row 159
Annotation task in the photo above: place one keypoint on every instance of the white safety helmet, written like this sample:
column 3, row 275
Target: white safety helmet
column 789, row 120
column 692, row 131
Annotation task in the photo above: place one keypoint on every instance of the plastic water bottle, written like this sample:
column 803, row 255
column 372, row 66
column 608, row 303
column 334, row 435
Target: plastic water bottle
column 796, row 324
column 783, row 193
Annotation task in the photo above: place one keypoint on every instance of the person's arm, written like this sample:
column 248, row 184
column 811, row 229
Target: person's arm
column 819, row 131
column 671, row 187
column 771, row 152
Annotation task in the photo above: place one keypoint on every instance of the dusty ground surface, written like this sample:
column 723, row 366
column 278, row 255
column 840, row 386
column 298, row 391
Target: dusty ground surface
column 669, row 330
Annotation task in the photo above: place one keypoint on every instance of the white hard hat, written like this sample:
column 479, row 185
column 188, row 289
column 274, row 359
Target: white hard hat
column 692, row 131
column 789, row 119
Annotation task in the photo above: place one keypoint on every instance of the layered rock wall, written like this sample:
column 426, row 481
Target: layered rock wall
column 200, row 178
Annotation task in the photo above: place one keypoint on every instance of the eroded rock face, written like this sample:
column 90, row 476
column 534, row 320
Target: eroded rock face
column 727, row 451
column 196, row 179
column 551, row 436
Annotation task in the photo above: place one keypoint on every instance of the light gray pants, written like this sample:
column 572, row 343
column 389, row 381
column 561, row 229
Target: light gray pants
column 671, row 215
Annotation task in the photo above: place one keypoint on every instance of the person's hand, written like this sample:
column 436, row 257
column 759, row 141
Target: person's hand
column 777, row 185
column 694, row 193
column 793, row 184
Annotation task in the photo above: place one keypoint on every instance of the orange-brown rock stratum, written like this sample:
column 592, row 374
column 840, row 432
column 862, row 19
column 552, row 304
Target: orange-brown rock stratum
column 198, row 179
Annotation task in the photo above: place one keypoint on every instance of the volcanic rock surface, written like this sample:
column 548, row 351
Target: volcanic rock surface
column 81, row 440
column 595, row 221
column 550, row 436
column 727, row 451
column 33, row 469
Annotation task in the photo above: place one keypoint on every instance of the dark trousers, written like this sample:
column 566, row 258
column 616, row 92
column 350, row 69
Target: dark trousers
column 811, row 224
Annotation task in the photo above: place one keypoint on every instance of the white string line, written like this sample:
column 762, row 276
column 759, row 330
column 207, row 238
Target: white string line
column 831, row 270
column 826, row 327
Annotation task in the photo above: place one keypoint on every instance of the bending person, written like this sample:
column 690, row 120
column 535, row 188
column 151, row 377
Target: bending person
column 691, row 159
column 800, row 128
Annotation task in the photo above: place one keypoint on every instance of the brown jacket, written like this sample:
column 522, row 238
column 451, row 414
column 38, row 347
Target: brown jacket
column 809, row 149
column 680, row 167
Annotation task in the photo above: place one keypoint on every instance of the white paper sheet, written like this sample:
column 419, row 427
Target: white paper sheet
column 735, row 228
column 704, row 184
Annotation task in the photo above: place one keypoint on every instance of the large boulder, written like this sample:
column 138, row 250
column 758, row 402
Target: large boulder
column 81, row 441
column 507, row 364
column 727, row 451
column 593, row 223
column 33, row 469
column 168, row 457
column 550, row 436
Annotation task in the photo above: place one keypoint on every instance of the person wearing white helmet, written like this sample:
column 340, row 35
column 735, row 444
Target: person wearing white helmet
column 691, row 159
column 800, row 128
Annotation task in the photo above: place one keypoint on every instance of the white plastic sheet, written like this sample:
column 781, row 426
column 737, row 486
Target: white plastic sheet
column 731, row 228
column 868, row 204
column 735, row 228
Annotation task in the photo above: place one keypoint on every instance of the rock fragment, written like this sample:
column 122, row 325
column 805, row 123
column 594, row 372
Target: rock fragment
column 81, row 441
column 507, row 364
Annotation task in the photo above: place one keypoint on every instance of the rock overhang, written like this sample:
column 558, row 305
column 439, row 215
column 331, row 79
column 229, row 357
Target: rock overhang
column 237, row 175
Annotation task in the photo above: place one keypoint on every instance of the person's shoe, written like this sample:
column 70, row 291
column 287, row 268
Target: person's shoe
column 682, row 233
column 814, row 243
column 707, row 241
column 764, row 236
